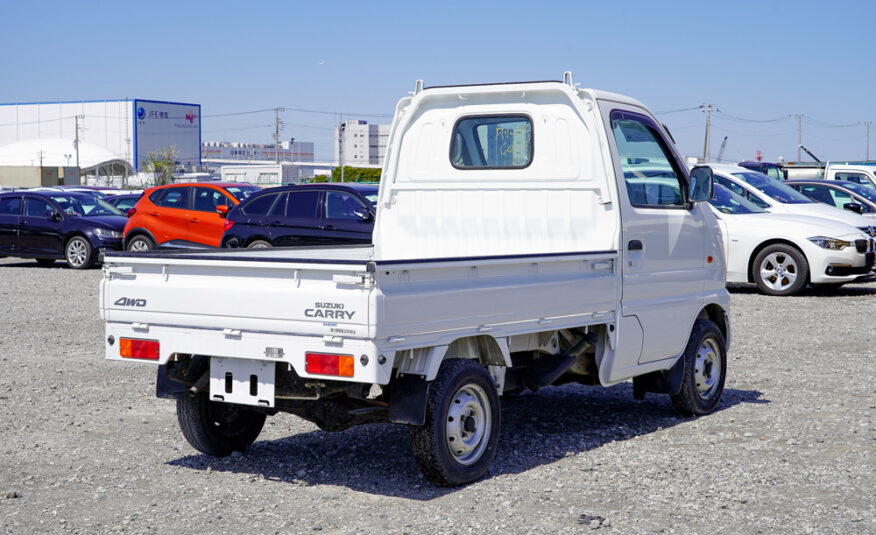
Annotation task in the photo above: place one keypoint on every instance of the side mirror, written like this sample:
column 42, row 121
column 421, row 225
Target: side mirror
column 363, row 214
column 222, row 209
column 854, row 207
column 701, row 184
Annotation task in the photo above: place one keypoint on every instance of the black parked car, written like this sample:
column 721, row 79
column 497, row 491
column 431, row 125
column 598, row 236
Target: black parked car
column 47, row 226
column 123, row 203
column 311, row 214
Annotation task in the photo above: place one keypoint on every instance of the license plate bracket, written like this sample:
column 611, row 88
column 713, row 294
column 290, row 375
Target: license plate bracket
column 242, row 381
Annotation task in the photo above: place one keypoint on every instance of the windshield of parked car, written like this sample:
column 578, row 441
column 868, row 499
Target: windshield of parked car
column 864, row 191
column 774, row 188
column 242, row 192
column 727, row 202
column 83, row 205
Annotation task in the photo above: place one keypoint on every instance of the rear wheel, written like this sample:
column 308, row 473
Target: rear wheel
column 705, row 365
column 459, row 439
column 45, row 262
column 780, row 269
column 78, row 253
column 139, row 244
column 215, row 428
column 259, row 244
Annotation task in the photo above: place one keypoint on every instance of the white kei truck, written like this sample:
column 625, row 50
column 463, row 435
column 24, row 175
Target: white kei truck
column 526, row 235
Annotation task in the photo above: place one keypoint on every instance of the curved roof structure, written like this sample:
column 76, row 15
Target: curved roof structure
column 58, row 152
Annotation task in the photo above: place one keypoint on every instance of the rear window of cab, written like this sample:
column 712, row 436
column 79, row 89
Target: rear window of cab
column 492, row 142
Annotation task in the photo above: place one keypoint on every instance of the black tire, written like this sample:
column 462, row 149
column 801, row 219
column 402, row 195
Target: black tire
column 216, row 428
column 705, row 354
column 45, row 262
column 780, row 269
column 463, row 388
column 78, row 253
column 259, row 244
column 140, row 243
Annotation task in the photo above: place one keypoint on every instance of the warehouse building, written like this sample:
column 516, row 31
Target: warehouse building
column 128, row 130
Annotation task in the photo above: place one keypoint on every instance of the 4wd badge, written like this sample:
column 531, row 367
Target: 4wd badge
column 130, row 302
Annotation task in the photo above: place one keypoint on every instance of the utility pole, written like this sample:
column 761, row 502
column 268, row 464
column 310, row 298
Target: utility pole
column 708, row 132
column 277, row 133
column 341, row 130
column 799, row 133
column 867, row 124
column 76, row 146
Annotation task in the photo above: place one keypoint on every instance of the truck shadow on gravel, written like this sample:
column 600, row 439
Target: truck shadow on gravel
column 537, row 429
column 848, row 290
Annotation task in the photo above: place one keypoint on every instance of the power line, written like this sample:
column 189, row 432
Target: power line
column 667, row 112
column 732, row 117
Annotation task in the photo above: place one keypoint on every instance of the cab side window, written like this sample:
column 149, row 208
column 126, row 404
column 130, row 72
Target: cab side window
column 207, row 199
column 34, row 207
column 857, row 178
column 343, row 206
column 651, row 174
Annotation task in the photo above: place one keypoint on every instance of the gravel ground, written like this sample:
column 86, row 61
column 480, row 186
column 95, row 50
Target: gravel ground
column 87, row 448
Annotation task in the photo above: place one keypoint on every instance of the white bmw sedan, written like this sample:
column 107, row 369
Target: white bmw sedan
column 781, row 253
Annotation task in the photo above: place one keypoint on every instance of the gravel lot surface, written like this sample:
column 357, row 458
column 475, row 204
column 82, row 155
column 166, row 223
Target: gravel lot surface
column 87, row 448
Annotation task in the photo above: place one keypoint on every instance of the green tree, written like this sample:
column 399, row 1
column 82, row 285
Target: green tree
column 356, row 174
column 161, row 164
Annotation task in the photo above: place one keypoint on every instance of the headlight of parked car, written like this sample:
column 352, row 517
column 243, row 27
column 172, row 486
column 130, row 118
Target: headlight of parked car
column 830, row 243
column 107, row 234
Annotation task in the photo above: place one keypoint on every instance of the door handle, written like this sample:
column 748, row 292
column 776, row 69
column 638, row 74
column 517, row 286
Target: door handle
column 154, row 214
column 634, row 245
column 329, row 227
column 195, row 220
column 276, row 223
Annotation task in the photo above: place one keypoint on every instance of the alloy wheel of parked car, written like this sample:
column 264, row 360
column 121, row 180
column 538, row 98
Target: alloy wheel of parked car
column 140, row 244
column 259, row 244
column 78, row 253
column 780, row 269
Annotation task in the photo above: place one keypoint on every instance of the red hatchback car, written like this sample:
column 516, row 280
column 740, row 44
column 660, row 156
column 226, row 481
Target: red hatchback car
column 182, row 215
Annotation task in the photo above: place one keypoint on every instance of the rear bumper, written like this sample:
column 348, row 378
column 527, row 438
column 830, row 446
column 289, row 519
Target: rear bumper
column 252, row 346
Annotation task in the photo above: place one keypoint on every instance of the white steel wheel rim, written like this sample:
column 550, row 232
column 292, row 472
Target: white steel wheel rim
column 138, row 246
column 778, row 271
column 468, row 424
column 707, row 368
column 77, row 252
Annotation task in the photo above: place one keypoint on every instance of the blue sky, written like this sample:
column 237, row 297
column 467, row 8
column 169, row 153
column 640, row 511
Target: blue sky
column 752, row 60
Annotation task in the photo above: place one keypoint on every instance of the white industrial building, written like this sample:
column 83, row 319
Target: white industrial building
column 125, row 130
column 289, row 151
column 357, row 142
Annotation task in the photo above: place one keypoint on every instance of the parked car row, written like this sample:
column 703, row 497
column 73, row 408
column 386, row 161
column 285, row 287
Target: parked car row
column 775, row 233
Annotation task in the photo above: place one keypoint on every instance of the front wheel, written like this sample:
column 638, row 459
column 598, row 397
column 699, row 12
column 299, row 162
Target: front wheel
column 259, row 244
column 705, row 366
column 216, row 428
column 461, row 432
column 780, row 269
column 78, row 253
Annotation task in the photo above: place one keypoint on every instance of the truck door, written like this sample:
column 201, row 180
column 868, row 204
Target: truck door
column 663, row 238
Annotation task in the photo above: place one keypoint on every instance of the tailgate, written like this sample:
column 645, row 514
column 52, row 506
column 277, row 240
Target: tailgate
column 327, row 298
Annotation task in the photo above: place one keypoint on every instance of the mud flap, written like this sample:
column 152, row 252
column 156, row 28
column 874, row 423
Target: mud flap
column 407, row 400
column 167, row 389
column 660, row 382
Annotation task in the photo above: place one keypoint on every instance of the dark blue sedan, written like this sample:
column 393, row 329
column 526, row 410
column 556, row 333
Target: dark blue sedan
column 48, row 226
column 306, row 215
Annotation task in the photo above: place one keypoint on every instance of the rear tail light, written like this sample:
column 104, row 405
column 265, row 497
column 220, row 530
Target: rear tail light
column 131, row 212
column 228, row 225
column 328, row 364
column 131, row 348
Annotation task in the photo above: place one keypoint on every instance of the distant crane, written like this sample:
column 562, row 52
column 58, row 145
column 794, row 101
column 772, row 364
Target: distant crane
column 814, row 157
column 721, row 150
